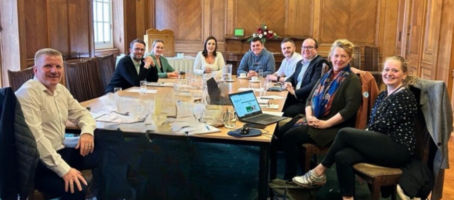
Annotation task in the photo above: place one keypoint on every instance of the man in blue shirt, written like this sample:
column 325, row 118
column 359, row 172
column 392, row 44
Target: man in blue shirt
column 256, row 60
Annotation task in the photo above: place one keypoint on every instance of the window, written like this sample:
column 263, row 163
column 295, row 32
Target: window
column 102, row 23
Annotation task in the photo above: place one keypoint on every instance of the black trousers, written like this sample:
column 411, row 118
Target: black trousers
column 52, row 185
column 289, row 138
column 352, row 146
column 293, row 106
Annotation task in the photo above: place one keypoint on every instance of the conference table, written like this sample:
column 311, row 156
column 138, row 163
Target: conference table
column 165, row 131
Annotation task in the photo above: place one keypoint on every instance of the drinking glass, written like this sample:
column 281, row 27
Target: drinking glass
column 228, row 118
column 143, row 86
column 261, row 74
column 117, row 90
column 227, row 72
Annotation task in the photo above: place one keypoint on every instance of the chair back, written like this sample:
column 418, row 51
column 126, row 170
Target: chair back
column 164, row 35
column 83, row 79
column 106, row 69
column 425, row 146
column 17, row 78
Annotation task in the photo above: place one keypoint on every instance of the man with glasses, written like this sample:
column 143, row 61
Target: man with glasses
column 134, row 68
column 288, row 63
column 256, row 60
column 306, row 75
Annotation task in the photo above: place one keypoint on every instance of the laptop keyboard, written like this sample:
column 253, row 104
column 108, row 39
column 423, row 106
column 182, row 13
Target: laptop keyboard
column 263, row 117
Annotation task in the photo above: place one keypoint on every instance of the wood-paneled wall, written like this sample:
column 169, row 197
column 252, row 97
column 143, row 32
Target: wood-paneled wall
column 414, row 29
column 362, row 22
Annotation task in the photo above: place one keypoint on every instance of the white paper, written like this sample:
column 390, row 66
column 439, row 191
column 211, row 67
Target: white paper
column 149, row 91
column 160, row 84
column 271, row 97
column 189, row 128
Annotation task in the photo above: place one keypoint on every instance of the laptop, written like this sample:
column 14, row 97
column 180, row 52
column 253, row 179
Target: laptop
column 248, row 109
column 216, row 98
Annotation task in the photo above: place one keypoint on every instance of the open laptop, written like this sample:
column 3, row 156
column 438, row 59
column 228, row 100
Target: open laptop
column 248, row 109
column 216, row 97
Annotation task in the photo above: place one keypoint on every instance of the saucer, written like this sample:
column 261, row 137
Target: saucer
column 230, row 80
column 242, row 77
column 254, row 81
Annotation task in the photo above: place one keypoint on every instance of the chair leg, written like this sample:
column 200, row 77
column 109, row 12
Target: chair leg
column 307, row 159
column 375, row 192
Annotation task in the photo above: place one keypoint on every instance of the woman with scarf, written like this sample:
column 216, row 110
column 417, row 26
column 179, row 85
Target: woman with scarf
column 332, row 105
column 388, row 140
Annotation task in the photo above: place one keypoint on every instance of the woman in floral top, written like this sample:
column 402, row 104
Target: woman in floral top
column 388, row 140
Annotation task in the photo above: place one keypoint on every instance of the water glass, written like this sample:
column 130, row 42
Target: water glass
column 227, row 72
column 143, row 86
column 228, row 118
column 117, row 90
column 261, row 74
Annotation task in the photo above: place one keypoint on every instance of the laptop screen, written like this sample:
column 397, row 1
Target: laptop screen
column 245, row 103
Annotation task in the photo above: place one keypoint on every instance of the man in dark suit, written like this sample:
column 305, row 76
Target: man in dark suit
column 300, row 83
column 133, row 68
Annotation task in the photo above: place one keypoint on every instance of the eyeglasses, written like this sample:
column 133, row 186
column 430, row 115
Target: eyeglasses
column 307, row 47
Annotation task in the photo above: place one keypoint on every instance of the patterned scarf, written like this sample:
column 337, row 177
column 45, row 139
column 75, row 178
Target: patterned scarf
column 323, row 96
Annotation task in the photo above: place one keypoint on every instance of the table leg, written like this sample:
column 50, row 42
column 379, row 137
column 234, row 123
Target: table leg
column 264, row 171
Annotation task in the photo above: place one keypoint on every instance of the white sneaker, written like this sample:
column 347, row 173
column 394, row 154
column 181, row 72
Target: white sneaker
column 310, row 180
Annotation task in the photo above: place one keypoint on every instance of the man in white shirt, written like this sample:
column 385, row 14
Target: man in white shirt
column 47, row 105
column 288, row 63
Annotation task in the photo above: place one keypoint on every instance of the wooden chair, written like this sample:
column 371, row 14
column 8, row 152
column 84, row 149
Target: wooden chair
column 106, row 67
column 83, row 80
column 17, row 78
column 378, row 176
column 164, row 35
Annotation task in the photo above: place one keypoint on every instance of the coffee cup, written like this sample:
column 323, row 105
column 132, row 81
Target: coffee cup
column 254, row 78
column 243, row 75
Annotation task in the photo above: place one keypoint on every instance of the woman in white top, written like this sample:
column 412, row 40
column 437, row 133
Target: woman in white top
column 208, row 60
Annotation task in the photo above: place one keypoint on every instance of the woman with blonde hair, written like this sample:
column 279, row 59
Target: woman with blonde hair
column 388, row 140
column 161, row 62
column 331, row 105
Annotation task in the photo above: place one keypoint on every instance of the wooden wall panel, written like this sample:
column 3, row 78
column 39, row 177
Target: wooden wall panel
column 119, row 28
column 354, row 20
column 251, row 14
column 183, row 17
column 35, row 29
column 217, row 26
column 299, row 17
column 387, row 28
column 413, row 49
column 431, row 38
column 79, row 28
column 57, row 30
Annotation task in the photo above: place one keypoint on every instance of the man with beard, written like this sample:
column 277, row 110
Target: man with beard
column 133, row 68
column 288, row 63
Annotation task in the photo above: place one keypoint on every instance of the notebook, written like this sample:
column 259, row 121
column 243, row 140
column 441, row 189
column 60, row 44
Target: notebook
column 215, row 95
column 248, row 110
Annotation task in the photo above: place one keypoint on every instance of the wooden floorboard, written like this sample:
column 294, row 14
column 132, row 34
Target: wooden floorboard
column 448, row 186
